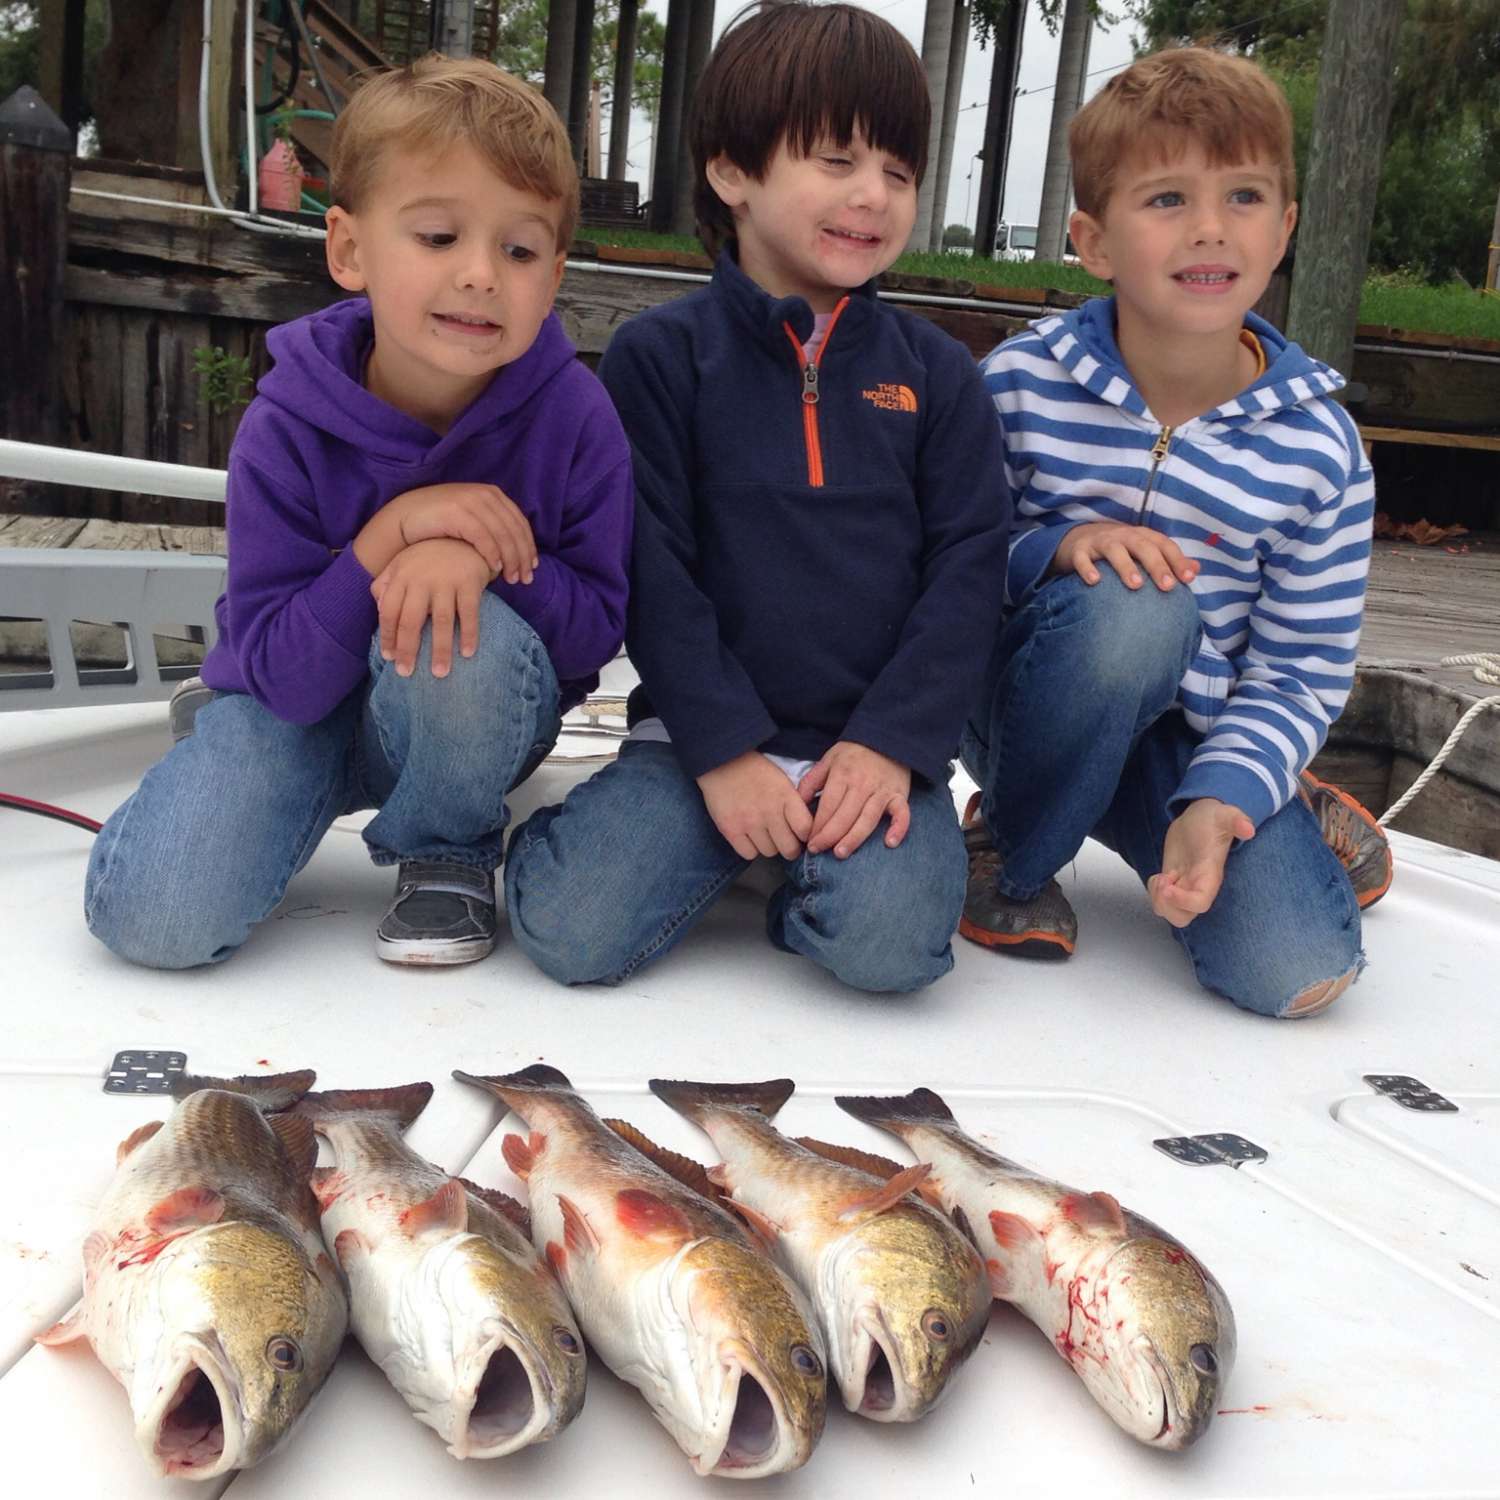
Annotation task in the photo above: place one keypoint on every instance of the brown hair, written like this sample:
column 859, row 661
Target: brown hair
column 800, row 73
column 437, row 101
column 1160, row 103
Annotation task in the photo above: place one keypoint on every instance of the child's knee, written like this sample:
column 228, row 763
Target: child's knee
column 1128, row 636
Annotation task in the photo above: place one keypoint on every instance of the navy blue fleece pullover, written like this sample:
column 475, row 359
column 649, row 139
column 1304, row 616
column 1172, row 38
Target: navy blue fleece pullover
column 819, row 552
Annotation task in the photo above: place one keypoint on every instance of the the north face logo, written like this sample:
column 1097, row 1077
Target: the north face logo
column 892, row 397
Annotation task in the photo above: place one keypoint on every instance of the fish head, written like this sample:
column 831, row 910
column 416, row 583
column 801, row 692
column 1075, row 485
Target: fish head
column 247, row 1329
column 911, row 1299
column 745, row 1392
column 498, row 1362
column 1170, row 1340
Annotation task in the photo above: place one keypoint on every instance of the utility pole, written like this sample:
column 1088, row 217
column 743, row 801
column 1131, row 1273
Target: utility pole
column 1057, row 184
column 1004, row 72
column 619, row 117
column 1355, row 86
column 958, row 47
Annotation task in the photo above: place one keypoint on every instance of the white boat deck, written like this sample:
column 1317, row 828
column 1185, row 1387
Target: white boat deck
column 1362, row 1259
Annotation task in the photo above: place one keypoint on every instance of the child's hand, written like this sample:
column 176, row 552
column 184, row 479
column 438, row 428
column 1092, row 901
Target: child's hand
column 482, row 515
column 755, row 806
column 1192, row 862
column 1129, row 550
column 856, row 787
column 442, row 580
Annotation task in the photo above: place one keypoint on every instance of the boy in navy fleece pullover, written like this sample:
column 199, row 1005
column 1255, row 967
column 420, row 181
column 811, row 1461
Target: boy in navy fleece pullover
column 432, row 459
column 821, row 525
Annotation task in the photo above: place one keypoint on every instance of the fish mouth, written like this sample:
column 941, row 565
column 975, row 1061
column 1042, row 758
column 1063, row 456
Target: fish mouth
column 878, row 1399
column 507, row 1412
column 193, row 1430
column 757, row 1438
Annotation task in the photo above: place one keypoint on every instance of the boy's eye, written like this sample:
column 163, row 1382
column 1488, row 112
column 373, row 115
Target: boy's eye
column 898, row 174
column 1170, row 199
column 437, row 241
column 520, row 253
column 833, row 160
column 1247, row 195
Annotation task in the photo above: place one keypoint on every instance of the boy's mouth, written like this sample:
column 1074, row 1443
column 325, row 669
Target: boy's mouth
column 470, row 323
column 1206, row 278
column 853, row 237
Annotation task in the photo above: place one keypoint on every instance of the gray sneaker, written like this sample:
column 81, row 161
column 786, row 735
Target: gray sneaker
column 442, row 913
column 1354, row 835
column 1042, row 927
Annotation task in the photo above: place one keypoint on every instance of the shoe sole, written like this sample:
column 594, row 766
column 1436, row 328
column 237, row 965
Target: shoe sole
column 1363, row 899
column 1044, row 945
column 432, row 955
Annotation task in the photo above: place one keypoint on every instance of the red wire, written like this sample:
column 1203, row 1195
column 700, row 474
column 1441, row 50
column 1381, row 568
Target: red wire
column 47, row 810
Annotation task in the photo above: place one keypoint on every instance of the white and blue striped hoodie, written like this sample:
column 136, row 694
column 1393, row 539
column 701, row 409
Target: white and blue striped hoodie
column 1270, row 493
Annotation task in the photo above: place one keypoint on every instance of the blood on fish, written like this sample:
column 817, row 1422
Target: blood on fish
column 557, row 1257
column 150, row 1252
column 1238, row 1411
column 1176, row 1257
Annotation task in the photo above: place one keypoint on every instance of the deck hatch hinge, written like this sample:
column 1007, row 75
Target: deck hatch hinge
column 1410, row 1093
column 1221, row 1148
column 143, row 1071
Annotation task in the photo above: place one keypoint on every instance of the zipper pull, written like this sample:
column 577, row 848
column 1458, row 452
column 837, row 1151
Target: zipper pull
column 809, row 384
column 1163, row 442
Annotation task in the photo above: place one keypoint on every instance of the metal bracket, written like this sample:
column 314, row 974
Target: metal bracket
column 1410, row 1093
column 1219, row 1149
column 141, row 1072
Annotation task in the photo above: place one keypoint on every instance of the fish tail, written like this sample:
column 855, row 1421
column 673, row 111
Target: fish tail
column 399, row 1105
column 920, row 1107
column 539, row 1078
column 271, row 1092
column 693, row 1100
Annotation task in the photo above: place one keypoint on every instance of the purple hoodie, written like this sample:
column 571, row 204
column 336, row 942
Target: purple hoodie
column 317, row 455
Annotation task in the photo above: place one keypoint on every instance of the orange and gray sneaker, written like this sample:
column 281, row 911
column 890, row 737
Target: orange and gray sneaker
column 1354, row 835
column 1041, row 927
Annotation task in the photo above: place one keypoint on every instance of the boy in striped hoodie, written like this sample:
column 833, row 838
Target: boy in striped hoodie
column 1187, row 569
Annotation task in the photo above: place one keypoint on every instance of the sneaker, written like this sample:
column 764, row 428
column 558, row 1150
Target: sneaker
column 1353, row 834
column 442, row 913
column 1043, row 926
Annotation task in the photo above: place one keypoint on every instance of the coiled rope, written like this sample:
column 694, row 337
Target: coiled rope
column 1486, row 665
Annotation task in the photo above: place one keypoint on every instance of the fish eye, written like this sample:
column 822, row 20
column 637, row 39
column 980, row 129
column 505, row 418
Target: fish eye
column 283, row 1354
column 567, row 1340
column 805, row 1361
column 935, row 1326
column 1203, row 1359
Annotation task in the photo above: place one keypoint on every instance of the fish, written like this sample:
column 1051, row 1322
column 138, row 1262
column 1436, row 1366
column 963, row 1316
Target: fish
column 1136, row 1315
column 447, row 1294
column 208, row 1293
column 901, row 1295
column 669, row 1288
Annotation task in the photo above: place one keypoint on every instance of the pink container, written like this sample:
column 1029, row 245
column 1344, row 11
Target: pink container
column 280, row 178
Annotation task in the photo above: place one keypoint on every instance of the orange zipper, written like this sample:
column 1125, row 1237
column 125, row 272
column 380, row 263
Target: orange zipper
column 810, row 394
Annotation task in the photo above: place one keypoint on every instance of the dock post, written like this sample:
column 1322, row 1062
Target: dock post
column 36, row 166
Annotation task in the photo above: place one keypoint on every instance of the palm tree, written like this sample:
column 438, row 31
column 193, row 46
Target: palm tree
column 937, row 38
column 947, row 113
column 1057, row 184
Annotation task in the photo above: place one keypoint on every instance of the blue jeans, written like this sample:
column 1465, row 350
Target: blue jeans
column 1076, row 736
column 624, row 868
column 204, row 849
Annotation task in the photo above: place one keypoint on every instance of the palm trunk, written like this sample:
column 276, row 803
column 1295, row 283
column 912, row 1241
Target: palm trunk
column 958, row 48
column 937, row 37
column 619, row 118
column 1057, row 185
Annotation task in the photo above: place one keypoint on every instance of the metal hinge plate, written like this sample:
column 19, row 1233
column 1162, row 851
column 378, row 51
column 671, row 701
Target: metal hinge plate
column 140, row 1071
column 1219, row 1149
column 1410, row 1093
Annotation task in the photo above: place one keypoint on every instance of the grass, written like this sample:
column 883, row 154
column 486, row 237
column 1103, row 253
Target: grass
column 1396, row 300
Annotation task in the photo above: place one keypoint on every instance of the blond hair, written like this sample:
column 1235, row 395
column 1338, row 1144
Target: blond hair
column 438, row 101
column 1171, row 99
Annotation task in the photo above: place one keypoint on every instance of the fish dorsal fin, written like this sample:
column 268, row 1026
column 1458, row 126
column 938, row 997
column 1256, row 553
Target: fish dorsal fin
column 766, row 1231
column 851, row 1156
column 137, row 1138
column 298, row 1141
column 70, row 1326
column 1093, row 1211
column 445, row 1209
column 520, row 1154
column 502, row 1203
column 187, row 1208
column 578, row 1233
column 648, row 1215
column 684, row 1169
column 886, row 1195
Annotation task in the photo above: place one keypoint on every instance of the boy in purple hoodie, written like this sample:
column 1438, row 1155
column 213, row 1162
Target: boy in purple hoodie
column 425, row 460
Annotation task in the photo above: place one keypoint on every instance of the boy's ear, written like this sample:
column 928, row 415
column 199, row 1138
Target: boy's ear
column 1090, row 242
column 726, row 179
column 1288, row 224
column 557, row 274
column 342, row 250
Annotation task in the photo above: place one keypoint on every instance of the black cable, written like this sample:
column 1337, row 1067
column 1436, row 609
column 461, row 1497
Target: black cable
column 47, row 810
column 288, row 34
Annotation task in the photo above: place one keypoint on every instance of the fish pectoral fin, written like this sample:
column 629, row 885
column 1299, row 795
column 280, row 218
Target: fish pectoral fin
column 66, row 1330
column 349, row 1245
column 578, row 1233
column 1094, row 1211
column 520, row 1154
column 137, row 1138
column 766, row 1230
column 447, row 1208
column 185, row 1209
column 886, row 1195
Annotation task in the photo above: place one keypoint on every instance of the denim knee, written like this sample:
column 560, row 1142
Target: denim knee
column 1125, row 642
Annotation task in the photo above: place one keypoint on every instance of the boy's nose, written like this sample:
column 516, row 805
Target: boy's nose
column 869, row 188
column 479, row 270
column 1210, row 227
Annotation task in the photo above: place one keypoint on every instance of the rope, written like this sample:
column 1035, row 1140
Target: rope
column 1486, row 665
